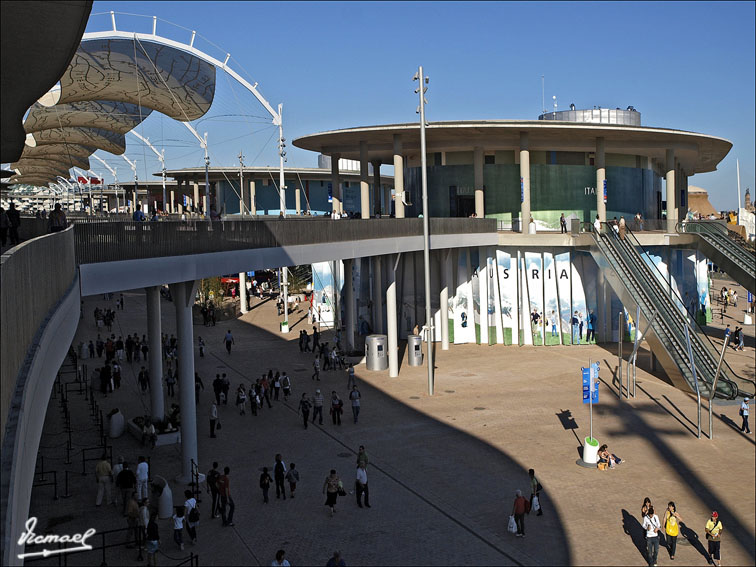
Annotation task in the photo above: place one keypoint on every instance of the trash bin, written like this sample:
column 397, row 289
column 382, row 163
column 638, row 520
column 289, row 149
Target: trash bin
column 574, row 227
column 375, row 352
column 415, row 350
column 284, row 326
column 590, row 451
column 117, row 425
column 164, row 497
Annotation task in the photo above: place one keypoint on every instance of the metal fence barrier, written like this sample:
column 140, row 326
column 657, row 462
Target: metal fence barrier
column 114, row 241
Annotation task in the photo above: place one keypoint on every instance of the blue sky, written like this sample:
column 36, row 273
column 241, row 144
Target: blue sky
column 687, row 66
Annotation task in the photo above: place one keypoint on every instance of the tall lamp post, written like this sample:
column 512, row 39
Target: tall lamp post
column 421, row 90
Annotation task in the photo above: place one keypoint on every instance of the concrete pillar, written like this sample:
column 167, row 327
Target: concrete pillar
column 398, row 177
column 171, row 208
column 196, row 201
column 600, row 162
column 298, row 199
column 671, row 197
column 446, row 282
column 391, row 325
column 349, row 304
column 243, row 291
column 134, row 202
column 335, row 184
column 364, row 185
column 156, row 353
column 204, row 206
column 524, row 181
column 252, row 205
column 377, row 186
column 183, row 298
column 478, row 168
column 377, row 295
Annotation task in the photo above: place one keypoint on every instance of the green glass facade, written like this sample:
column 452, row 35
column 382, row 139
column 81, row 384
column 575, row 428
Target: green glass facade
column 554, row 189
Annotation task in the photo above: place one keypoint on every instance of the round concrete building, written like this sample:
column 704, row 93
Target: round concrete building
column 581, row 163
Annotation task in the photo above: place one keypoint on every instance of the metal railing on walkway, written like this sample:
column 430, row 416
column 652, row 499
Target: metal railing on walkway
column 115, row 241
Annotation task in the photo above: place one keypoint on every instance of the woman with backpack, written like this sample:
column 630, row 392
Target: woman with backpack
column 671, row 528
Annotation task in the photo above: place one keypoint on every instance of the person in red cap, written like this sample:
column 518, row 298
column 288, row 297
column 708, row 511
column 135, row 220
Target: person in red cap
column 713, row 535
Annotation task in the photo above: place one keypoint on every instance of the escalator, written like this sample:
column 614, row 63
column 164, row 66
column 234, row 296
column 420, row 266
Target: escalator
column 726, row 249
column 637, row 282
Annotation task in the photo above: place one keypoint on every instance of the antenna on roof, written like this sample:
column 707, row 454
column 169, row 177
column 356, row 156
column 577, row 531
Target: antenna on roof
column 543, row 95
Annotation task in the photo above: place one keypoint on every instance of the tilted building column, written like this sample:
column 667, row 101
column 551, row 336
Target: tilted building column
column 524, row 181
column 377, row 294
column 349, row 304
column 252, row 205
column 480, row 211
column 671, row 188
column 335, row 184
column 243, row 292
column 364, row 184
column 196, row 201
column 446, row 282
column 154, row 337
column 600, row 179
column 398, row 177
column 391, row 316
column 376, row 186
column 183, row 299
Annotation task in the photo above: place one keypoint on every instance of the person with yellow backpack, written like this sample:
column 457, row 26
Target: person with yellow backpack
column 672, row 528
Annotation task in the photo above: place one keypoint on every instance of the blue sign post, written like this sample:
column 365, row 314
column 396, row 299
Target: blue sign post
column 522, row 190
column 330, row 193
column 590, row 387
column 605, row 195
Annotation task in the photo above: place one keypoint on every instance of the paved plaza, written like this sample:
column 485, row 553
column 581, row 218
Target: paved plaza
column 443, row 469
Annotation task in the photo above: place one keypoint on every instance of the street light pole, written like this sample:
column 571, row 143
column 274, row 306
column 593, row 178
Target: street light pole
column 421, row 89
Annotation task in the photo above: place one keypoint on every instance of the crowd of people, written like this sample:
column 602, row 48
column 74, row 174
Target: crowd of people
column 665, row 532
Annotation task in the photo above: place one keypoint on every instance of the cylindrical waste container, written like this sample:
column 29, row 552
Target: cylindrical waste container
column 165, row 497
column 117, row 425
column 415, row 350
column 375, row 352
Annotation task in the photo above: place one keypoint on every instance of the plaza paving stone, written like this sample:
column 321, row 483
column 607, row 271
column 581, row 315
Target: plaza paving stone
column 443, row 469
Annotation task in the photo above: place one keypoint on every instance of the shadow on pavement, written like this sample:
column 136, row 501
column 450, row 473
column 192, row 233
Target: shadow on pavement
column 692, row 538
column 632, row 527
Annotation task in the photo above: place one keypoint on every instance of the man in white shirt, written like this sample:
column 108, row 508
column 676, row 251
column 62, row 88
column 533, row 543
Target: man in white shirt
column 744, row 414
column 652, row 526
column 361, row 486
column 142, row 476
column 597, row 225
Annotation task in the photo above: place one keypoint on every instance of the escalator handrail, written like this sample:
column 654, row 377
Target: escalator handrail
column 722, row 235
column 698, row 331
column 674, row 342
column 703, row 353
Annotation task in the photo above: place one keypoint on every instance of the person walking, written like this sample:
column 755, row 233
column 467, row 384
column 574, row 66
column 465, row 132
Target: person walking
column 4, row 225
column 211, row 482
column 241, row 399
column 276, row 386
column 362, row 457
column 126, row 482
column 331, row 490
column 316, row 367
column 153, row 540
column 198, row 385
column 229, row 340
column 337, row 407
column 351, row 383
column 132, row 520
column 744, row 411
column 170, row 382
column 142, row 477
column 652, row 526
column 213, row 419
column 144, row 521
column 317, row 405
column 192, row 515
column 178, row 527
column 671, row 528
column 304, row 409
column 217, row 388
column 563, row 224
column 286, row 385
column 355, row 397
column 265, row 481
column 622, row 228
column 14, row 221
column 224, row 488
column 292, row 477
column 315, row 338
column 714, row 537
column 535, row 491
column 361, row 486
column 103, row 474
column 520, row 507
column 226, row 387
column 279, row 474
column 201, row 344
